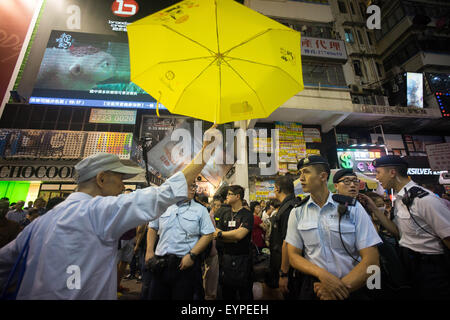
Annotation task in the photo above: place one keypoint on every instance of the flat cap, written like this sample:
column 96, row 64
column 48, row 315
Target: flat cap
column 311, row 160
column 389, row 161
column 342, row 173
column 90, row 166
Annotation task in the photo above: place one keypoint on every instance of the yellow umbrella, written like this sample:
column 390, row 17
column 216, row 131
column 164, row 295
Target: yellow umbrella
column 215, row 60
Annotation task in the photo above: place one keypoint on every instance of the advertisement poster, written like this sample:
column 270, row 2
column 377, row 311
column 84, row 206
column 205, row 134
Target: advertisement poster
column 414, row 89
column 264, row 190
column 312, row 135
column 292, row 145
column 439, row 156
column 15, row 19
column 166, row 157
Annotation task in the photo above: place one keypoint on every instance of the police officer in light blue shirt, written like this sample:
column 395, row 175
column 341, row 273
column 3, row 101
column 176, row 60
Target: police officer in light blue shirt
column 73, row 248
column 185, row 231
column 331, row 247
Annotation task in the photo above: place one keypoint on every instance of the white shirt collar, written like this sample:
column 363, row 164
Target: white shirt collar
column 329, row 200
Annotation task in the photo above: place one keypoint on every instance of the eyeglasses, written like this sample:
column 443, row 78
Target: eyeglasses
column 347, row 182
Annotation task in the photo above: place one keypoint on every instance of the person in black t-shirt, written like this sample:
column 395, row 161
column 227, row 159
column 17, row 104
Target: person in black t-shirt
column 233, row 232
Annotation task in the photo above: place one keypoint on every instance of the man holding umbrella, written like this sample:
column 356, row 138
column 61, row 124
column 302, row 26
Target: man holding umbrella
column 72, row 249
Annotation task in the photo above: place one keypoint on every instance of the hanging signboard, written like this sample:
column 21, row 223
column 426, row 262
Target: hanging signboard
column 113, row 116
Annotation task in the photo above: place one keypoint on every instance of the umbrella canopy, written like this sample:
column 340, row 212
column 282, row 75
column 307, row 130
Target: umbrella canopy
column 215, row 60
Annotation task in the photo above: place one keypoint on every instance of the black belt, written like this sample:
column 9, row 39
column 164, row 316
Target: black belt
column 418, row 256
column 170, row 257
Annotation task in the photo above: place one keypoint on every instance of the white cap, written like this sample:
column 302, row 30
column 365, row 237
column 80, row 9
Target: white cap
column 90, row 166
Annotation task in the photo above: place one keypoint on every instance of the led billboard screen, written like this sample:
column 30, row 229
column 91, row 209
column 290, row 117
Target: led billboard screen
column 82, row 69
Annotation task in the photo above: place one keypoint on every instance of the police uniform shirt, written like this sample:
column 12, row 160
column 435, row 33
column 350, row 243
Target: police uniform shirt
column 180, row 227
column 431, row 214
column 315, row 230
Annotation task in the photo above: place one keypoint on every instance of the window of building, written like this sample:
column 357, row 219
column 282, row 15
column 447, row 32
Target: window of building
column 398, row 13
column 380, row 74
column 369, row 38
column 352, row 8
column 363, row 10
column 323, row 74
column 349, row 36
column 342, row 7
column 360, row 39
column 357, row 67
column 308, row 29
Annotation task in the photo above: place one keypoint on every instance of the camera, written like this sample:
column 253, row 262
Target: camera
column 444, row 177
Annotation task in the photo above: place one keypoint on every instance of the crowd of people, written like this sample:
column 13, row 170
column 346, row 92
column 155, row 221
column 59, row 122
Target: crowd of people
column 181, row 246
column 14, row 217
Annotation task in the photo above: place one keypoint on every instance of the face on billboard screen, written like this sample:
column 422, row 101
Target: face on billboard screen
column 87, row 69
column 414, row 94
column 79, row 54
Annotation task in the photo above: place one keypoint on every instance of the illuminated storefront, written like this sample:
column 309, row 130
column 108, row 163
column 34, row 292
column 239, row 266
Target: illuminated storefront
column 360, row 160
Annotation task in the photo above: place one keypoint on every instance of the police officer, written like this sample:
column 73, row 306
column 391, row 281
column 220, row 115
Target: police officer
column 332, row 248
column 185, row 230
column 422, row 223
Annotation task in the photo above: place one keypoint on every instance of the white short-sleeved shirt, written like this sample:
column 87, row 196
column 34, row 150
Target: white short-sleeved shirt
column 430, row 213
column 315, row 230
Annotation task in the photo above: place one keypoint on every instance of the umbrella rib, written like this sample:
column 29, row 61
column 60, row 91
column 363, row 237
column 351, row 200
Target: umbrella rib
column 217, row 29
column 266, row 65
column 193, row 80
column 196, row 42
column 248, row 40
column 254, row 91
column 171, row 61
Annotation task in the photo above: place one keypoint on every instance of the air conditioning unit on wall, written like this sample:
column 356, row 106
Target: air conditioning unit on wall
column 356, row 88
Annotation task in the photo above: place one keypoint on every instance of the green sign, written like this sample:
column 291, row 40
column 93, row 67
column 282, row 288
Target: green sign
column 113, row 116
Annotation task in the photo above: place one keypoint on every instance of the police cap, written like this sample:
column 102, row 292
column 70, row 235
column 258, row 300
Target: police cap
column 312, row 160
column 342, row 173
column 390, row 161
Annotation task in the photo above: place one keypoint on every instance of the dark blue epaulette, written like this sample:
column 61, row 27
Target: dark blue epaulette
column 418, row 192
column 299, row 201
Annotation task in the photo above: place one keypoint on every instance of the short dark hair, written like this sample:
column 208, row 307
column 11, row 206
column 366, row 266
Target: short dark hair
column 53, row 202
column 322, row 168
column 285, row 184
column 222, row 192
column 217, row 198
column 253, row 204
column 401, row 170
column 237, row 190
column 274, row 203
column 202, row 198
column 373, row 196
